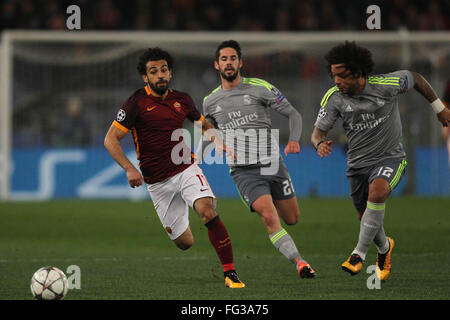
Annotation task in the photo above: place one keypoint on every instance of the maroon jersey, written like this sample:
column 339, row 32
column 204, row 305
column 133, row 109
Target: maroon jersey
column 152, row 121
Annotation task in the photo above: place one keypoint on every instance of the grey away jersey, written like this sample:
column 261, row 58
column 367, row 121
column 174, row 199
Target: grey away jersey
column 242, row 114
column 371, row 119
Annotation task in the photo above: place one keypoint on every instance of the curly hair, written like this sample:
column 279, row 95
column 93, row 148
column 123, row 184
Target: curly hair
column 229, row 44
column 153, row 54
column 355, row 58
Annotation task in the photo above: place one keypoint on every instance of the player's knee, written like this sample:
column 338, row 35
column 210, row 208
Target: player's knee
column 185, row 244
column 379, row 190
column 185, row 241
column 292, row 219
column 205, row 209
column 294, row 216
column 207, row 214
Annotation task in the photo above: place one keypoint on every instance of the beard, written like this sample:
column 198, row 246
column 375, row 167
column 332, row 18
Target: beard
column 229, row 78
column 349, row 89
column 159, row 89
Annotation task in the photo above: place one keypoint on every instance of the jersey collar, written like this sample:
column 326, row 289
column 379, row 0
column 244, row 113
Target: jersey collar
column 149, row 93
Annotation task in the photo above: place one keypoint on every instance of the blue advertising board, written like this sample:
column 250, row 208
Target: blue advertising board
column 91, row 173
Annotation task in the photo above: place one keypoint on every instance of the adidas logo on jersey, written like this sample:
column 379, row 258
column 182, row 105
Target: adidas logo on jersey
column 218, row 109
column 348, row 109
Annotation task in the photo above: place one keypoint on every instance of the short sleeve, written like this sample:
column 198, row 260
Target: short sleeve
column 126, row 116
column 328, row 112
column 393, row 83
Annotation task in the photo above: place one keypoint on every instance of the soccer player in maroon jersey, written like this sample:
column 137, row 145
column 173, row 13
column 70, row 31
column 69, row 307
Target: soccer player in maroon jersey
column 152, row 114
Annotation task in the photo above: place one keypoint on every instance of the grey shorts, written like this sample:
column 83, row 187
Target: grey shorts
column 252, row 185
column 391, row 170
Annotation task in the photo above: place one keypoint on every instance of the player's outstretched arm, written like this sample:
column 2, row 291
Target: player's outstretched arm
column 425, row 89
column 112, row 144
column 322, row 146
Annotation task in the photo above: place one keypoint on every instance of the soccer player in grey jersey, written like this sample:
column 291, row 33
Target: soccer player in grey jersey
column 368, row 106
column 240, row 109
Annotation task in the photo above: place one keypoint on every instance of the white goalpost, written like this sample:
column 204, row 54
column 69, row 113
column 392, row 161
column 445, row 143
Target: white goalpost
column 42, row 72
column 5, row 118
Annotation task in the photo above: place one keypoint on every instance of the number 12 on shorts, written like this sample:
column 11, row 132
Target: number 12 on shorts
column 386, row 172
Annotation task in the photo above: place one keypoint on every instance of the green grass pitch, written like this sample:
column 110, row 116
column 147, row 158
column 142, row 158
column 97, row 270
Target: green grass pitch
column 124, row 253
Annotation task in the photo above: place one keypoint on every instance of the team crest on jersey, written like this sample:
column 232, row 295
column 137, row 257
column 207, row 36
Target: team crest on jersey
column 177, row 106
column 247, row 99
column 380, row 102
column 121, row 115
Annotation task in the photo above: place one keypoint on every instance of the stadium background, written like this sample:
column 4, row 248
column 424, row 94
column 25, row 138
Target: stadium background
column 66, row 93
column 66, row 88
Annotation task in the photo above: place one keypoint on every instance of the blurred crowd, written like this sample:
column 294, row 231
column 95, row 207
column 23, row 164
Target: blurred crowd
column 219, row 15
column 76, row 110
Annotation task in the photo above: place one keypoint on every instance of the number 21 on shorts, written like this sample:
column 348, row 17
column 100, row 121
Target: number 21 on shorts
column 288, row 188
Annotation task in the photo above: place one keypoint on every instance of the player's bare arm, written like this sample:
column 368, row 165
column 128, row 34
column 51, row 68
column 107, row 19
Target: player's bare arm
column 209, row 131
column 425, row 89
column 112, row 144
column 323, row 146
